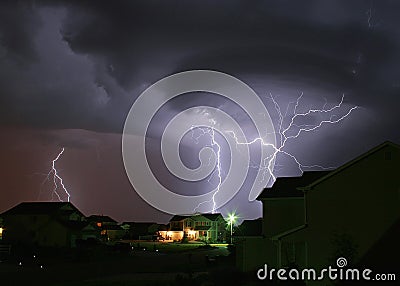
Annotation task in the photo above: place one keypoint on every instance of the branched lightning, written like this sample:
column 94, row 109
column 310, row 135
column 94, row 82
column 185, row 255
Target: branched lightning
column 53, row 173
column 283, row 131
column 218, row 170
column 288, row 128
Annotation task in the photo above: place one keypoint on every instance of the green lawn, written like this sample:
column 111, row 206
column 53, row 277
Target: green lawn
column 168, row 247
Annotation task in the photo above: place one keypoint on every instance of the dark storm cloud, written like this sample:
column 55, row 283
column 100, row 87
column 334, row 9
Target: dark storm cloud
column 18, row 26
column 76, row 65
column 84, row 63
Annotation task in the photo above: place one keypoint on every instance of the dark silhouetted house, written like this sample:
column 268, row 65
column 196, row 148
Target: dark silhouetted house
column 46, row 224
column 205, row 227
column 143, row 230
column 101, row 220
column 283, row 209
column 313, row 219
column 109, row 228
column 379, row 254
column 248, row 228
column 249, row 231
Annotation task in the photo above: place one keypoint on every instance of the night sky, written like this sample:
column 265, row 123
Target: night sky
column 70, row 71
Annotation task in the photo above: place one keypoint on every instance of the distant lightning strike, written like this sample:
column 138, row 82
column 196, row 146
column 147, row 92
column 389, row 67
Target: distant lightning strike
column 370, row 14
column 57, row 178
column 372, row 24
column 284, row 137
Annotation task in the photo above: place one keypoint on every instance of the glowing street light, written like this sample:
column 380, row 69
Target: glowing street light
column 231, row 220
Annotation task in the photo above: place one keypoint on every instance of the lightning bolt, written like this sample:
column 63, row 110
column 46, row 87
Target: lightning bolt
column 284, row 132
column 370, row 14
column 53, row 173
column 371, row 23
column 218, row 170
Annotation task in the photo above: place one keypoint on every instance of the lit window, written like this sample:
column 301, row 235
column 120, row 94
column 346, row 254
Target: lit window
column 99, row 224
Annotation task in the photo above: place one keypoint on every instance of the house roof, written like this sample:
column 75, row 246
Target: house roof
column 179, row 218
column 111, row 227
column 38, row 208
column 349, row 164
column 212, row 217
column 286, row 187
column 145, row 225
column 132, row 223
column 101, row 218
column 249, row 228
column 208, row 216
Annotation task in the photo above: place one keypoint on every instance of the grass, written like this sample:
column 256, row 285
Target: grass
column 106, row 266
column 168, row 247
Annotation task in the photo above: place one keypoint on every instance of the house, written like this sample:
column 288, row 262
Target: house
column 247, row 237
column 248, row 228
column 1, row 228
column 314, row 219
column 142, row 230
column 205, row 227
column 101, row 220
column 46, row 224
column 349, row 210
column 283, row 209
column 109, row 228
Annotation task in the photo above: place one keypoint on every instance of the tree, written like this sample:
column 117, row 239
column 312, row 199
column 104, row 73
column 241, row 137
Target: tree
column 343, row 245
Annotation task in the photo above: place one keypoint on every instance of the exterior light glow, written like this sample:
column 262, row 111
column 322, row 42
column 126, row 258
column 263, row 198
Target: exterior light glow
column 231, row 220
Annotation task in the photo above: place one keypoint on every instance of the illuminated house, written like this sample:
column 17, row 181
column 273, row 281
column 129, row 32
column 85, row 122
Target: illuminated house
column 310, row 221
column 206, row 227
column 109, row 228
column 1, row 228
column 49, row 224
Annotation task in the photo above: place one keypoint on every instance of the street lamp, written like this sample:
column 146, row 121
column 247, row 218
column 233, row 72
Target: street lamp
column 231, row 219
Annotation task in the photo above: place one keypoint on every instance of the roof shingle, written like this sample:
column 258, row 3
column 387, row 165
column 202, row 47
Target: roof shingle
column 286, row 187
